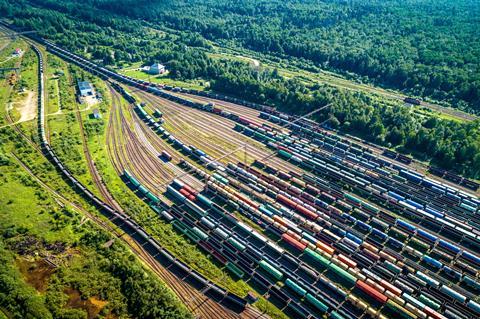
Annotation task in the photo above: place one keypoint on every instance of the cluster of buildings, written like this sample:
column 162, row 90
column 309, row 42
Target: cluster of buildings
column 87, row 93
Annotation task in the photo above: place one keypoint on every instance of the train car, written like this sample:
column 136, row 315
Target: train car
column 165, row 155
column 411, row 100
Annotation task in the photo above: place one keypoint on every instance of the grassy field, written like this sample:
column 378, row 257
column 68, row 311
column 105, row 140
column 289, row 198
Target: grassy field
column 25, row 79
column 161, row 79
column 35, row 226
column 65, row 133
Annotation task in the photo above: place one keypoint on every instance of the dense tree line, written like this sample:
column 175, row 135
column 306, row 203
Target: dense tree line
column 429, row 48
column 90, row 30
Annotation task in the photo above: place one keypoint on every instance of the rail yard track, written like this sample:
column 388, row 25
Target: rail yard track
column 195, row 301
column 190, row 125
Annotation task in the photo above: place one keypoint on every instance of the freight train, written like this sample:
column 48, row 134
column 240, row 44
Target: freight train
column 374, row 232
column 242, row 258
column 223, row 227
column 217, row 293
column 378, row 236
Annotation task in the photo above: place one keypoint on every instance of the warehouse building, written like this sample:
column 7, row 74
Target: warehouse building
column 85, row 88
column 157, row 68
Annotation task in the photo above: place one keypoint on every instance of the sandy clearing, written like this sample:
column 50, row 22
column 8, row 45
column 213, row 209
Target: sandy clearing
column 253, row 61
column 28, row 107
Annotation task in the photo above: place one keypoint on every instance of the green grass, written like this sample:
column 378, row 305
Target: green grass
column 231, row 57
column 4, row 99
column 25, row 79
column 6, row 53
column 53, row 104
column 163, row 79
column 29, row 211
column 29, row 70
column 26, row 206
column 269, row 309
column 64, row 127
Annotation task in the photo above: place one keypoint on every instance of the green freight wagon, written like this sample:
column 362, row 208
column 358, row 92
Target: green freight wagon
column 317, row 258
column 284, row 154
column 132, row 179
column 235, row 270
column 347, row 277
column 152, row 197
column 353, row 199
column 299, row 290
column 236, row 244
column 336, row 315
column 221, row 179
column 317, row 303
column 142, row 189
column 274, row 272
column 200, row 233
column 204, row 200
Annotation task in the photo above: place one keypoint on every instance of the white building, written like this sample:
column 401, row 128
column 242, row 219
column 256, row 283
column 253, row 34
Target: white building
column 157, row 68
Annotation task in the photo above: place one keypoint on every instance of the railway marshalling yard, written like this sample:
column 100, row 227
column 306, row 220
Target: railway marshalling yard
column 313, row 223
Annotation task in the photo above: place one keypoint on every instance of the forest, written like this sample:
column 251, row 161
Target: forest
column 426, row 48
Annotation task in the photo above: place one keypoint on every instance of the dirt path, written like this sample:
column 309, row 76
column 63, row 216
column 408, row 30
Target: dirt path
column 7, row 59
column 253, row 61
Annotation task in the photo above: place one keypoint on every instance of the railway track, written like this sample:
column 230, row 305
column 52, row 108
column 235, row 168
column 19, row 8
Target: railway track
column 95, row 175
column 135, row 155
column 417, row 165
column 203, row 124
column 142, row 150
column 198, row 303
column 409, row 262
